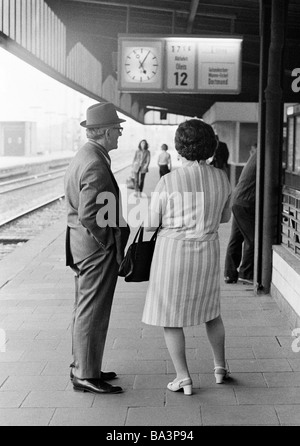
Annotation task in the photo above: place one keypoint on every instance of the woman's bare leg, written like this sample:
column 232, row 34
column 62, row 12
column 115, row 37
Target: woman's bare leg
column 216, row 336
column 175, row 341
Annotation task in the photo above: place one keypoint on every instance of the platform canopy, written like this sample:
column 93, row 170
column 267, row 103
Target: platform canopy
column 97, row 25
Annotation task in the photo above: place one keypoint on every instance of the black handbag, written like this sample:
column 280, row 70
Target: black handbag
column 136, row 264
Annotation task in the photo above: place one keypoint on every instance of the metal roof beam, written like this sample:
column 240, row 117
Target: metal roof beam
column 192, row 15
column 156, row 8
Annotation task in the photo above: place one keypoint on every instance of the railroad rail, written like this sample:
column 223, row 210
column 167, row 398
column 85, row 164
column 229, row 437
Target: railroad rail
column 20, row 214
column 22, row 225
column 7, row 189
column 30, row 180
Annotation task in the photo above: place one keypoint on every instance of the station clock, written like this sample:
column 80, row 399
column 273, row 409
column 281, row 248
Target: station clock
column 140, row 65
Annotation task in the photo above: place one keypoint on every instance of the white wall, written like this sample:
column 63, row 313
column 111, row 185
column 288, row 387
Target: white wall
column 286, row 280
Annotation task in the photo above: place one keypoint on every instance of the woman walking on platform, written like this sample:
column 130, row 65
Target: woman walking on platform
column 140, row 166
column 184, row 286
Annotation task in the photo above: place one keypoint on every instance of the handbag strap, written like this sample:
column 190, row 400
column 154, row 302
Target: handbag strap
column 140, row 233
column 154, row 236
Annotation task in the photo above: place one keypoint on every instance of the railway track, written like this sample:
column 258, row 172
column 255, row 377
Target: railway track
column 22, row 196
column 8, row 188
column 22, row 218
column 18, row 198
column 18, row 231
column 29, row 180
column 20, row 214
column 27, row 206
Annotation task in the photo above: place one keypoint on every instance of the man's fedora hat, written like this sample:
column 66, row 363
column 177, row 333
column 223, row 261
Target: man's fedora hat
column 101, row 115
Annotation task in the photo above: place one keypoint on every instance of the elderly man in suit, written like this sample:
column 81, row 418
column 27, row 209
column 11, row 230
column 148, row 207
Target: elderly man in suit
column 95, row 240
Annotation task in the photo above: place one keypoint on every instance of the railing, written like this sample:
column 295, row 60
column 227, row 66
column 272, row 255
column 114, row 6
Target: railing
column 290, row 223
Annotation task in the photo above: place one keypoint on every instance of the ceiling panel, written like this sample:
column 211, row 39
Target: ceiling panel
column 97, row 23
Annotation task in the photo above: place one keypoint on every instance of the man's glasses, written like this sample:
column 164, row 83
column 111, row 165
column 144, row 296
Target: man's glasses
column 118, row 128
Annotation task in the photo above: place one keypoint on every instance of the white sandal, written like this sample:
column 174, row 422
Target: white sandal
column 185, row 384
column 221, row 373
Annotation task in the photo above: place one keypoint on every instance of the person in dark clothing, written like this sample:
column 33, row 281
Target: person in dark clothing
column 94, row 246
column 239, row 261
column 220, row 159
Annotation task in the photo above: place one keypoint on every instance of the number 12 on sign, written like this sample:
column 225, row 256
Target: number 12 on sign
column 180, row 65
column 181, row 78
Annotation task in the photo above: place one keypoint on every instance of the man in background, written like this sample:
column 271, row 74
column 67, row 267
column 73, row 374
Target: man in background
column 239, row 261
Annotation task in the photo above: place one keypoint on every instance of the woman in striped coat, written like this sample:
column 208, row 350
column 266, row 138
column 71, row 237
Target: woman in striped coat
column 188, row 204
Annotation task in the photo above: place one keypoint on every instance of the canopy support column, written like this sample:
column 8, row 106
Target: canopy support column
column 268, row 203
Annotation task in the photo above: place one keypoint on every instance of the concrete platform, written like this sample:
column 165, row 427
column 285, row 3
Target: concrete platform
column 36, row 298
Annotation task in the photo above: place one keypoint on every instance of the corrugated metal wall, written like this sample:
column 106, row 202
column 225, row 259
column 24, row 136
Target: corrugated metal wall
column 34, row 26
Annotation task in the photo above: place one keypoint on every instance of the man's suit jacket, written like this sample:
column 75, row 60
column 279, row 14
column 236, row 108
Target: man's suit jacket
column 87, row 176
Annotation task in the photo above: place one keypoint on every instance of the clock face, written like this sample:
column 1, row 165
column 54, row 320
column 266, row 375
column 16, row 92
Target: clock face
column 141, row 64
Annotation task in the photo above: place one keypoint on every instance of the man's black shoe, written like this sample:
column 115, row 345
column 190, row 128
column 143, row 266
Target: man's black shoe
column 106, row 376
column 97, row 386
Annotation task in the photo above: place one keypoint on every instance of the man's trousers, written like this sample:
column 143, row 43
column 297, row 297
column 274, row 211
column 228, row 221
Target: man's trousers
column 95, row 283
column 239, row 261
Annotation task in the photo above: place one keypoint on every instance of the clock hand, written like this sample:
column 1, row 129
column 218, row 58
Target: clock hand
column 141, row 66
column 142, row 63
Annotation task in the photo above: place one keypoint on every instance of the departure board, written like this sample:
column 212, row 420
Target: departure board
column 179, row 64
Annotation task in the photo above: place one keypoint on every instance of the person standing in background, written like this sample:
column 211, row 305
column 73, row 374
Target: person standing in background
column 221, row 155
column 164, row 161
column 239, row 260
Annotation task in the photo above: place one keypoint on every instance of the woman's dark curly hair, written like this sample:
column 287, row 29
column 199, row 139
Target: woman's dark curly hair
column 195, row 140
column 140, row 144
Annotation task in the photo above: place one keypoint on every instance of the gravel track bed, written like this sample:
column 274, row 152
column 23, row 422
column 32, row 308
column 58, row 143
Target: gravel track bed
column 17, row 233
